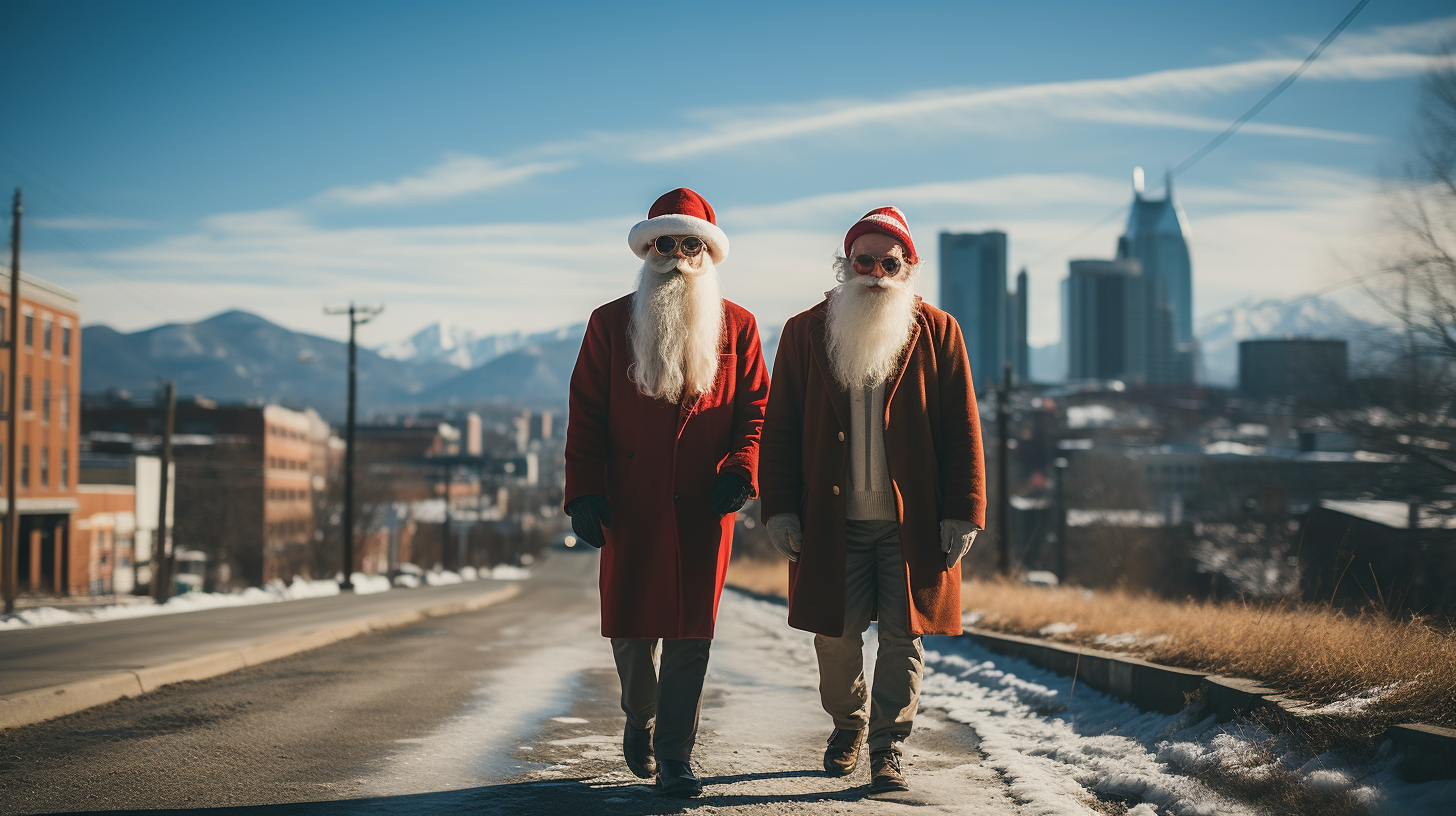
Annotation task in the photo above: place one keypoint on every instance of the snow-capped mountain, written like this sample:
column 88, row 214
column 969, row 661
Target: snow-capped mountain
column 447, row 342
column 1219, row 333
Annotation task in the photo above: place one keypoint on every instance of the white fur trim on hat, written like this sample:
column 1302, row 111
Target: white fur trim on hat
column 645, row 232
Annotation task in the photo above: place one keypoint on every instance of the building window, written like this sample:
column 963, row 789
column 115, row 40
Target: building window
column 25, row 466
column 65, row 341
column 45, row 401
column 25, row 396
column 30, row 331
column 65, row 405
column 45, row 465
column 65, row 468
column 45, row 335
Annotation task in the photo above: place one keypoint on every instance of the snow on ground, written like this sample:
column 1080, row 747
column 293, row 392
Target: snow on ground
column 272, row 592
column 1050, row 741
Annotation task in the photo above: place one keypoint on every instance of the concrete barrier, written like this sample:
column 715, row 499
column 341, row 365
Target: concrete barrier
column 38, row 705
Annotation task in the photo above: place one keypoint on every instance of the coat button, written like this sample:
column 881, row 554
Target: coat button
column 841, row 439
column 630, row 454
column 835, row 489
column 675, row 497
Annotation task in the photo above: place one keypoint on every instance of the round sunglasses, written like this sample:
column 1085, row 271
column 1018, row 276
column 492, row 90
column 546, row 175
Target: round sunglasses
column 666, row 245
column 865, row 263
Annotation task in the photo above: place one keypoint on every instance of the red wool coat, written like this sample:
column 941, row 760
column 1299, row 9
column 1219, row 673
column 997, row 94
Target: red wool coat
column 933, row 448
column 667, row 552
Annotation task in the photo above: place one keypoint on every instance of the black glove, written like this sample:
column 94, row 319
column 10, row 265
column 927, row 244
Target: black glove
column 728, row 493
column 589, row 514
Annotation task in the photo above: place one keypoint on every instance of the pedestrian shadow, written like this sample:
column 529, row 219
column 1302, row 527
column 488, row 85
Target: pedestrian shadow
column 538, row 798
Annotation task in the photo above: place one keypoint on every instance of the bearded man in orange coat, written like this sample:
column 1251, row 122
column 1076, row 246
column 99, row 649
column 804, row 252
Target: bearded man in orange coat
column 667, row 402
column 873, row 486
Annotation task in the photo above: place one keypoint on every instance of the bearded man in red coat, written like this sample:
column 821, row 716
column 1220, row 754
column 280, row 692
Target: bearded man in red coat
column 667, row 403
column 873, row 486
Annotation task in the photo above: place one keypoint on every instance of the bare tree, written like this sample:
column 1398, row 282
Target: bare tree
column 1415, row 414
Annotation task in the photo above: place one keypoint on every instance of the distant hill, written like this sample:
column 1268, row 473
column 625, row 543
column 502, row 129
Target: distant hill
column 538, row 373
column 446, row 342
column 240, row 357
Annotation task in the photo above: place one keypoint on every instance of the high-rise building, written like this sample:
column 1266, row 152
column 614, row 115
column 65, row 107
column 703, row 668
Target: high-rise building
column 973, row 290
column 1104, row 310
column 1157, row 236
column 1020, row 350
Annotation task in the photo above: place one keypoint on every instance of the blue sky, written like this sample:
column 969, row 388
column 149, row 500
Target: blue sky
column 482, row 163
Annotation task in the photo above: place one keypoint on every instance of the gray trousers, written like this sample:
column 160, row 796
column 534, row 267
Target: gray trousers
column 666, row 700
column 874, row 586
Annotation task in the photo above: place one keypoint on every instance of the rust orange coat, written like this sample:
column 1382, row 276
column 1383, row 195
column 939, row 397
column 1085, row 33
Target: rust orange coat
column 667, row 552
column 932, row 445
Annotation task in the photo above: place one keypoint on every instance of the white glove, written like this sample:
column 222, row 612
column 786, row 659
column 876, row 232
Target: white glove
column 956, row 538
column 786, row 534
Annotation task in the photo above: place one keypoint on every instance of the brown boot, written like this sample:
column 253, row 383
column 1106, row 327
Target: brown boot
column 886, row 773
column 841, row 756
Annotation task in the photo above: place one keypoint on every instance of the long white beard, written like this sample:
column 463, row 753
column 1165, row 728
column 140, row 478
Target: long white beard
column 869, row 322
column 677, row 322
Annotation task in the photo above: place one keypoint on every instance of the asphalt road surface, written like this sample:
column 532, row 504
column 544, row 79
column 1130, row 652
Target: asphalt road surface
column 511, row 709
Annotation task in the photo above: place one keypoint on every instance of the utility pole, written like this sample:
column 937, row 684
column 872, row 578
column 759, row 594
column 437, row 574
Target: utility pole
column 163, row 555
column 1061, row 497
column 1003, row 470
column 447, row 559
column 9, row 550
column 358, row 316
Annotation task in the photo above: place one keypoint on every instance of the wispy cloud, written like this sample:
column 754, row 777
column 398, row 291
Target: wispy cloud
column 950, row 109
column 456, row 176
column 86, row 224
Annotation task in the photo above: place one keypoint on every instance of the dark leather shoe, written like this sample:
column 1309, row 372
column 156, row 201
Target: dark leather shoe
column 886, row 773
column 841, row 756
column 677, row 779
column 637, row 748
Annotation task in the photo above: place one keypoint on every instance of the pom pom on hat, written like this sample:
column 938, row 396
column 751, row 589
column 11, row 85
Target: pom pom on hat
column 886, row 221
column 679, row 212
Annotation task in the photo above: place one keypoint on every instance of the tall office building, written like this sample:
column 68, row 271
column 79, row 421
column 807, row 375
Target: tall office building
column 1104, row 312
column 1020, row 350
column 973, row 290
column 1157, row 236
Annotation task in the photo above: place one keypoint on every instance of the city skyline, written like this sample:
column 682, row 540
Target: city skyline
column 338, row 168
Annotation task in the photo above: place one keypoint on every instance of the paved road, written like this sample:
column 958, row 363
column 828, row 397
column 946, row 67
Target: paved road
column 511, row 709
column 50, row 655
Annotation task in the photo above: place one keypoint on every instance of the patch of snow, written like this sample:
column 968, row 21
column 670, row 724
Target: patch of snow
column 1058, row 628
column 407, row 580
column 570, row 720
column 443, row 577
column 1352, row 704
column 1053, row 745
column 369, row 584
column 469, row 574
column 509, row 572
column 272, row 592
column 1128, row 640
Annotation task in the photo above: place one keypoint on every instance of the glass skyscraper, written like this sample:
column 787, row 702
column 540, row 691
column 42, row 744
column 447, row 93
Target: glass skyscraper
column 973, row 290
column 1157, row 236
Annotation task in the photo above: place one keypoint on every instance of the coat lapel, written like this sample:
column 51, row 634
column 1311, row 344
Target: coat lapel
column 839, row 397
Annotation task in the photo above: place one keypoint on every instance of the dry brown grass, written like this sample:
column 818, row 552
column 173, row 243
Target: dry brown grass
column 761, row 576
column 1312, row 653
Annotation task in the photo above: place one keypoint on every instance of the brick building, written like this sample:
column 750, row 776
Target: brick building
column 251, row 483
column 49, row 336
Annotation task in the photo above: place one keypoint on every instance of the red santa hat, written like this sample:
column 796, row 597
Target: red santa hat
column 887, row 221
column 679, row 212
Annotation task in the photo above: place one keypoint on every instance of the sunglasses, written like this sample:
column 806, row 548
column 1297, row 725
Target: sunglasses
column 865, row 263
column 666, row 245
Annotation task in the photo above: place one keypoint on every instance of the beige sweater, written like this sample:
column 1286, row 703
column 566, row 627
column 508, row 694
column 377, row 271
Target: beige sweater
column 871, row 496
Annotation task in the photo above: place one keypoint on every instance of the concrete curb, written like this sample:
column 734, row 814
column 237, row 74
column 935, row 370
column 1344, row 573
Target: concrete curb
column 38, row 705
column 1429, row 751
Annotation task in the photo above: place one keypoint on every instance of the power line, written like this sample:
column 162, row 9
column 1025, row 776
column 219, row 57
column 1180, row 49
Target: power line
column 1214, row 143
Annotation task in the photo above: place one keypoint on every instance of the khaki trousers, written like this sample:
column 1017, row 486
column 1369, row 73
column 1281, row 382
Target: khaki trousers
column 667, row 701
column 874, row 575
